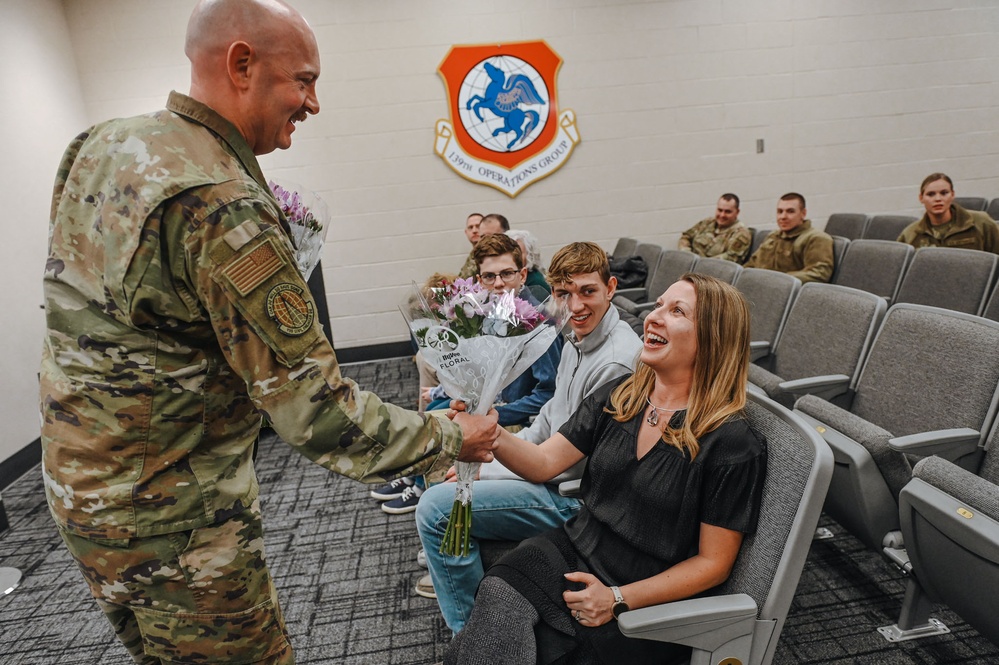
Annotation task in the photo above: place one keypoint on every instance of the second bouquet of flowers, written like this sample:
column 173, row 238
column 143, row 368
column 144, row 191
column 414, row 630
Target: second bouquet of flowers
column 478, row 341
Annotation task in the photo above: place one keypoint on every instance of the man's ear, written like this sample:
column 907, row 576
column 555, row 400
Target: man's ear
column 238, row 59
column 611, row 286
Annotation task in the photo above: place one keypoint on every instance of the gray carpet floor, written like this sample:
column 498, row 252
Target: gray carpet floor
column 345, row 570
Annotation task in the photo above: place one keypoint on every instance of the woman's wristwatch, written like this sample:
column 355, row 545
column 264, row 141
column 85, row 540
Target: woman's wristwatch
column 619, row 604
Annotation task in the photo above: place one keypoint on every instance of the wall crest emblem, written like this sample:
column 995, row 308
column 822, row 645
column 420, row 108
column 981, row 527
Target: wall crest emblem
column 505, row 129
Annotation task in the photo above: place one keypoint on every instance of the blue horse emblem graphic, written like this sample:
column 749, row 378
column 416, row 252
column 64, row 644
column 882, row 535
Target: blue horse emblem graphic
column 503, row 97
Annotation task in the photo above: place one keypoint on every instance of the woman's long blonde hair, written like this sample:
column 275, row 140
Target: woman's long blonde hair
column 718, row 387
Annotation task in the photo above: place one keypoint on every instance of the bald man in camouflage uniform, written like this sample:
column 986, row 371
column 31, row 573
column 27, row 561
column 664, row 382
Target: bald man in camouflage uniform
column 176, row 320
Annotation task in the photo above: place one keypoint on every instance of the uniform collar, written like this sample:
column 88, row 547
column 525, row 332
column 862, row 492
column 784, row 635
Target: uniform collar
column 794, row 233
column 206, row 116
column 960, row 220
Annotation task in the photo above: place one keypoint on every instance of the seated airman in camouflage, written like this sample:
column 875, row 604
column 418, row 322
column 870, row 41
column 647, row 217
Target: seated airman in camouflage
column 795, row 247
column 469, row 268
column 946, row 224
column 177, row 319
column 722, row 236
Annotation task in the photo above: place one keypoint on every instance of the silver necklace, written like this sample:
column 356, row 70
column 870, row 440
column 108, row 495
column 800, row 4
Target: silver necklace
column 653, row 417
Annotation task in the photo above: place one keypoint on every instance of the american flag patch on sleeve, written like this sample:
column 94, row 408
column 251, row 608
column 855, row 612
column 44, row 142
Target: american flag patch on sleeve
column 252, row 270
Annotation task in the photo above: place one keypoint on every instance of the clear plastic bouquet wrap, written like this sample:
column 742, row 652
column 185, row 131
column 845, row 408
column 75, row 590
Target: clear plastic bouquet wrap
column 308, row 219
column 478, row 341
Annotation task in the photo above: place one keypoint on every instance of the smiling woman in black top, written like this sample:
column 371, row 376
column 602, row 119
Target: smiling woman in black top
column 672, row 484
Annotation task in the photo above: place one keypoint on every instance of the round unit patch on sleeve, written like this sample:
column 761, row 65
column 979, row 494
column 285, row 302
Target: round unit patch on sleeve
column 292, row 313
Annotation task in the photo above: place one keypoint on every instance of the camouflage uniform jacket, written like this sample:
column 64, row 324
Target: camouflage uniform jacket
column 471, row 267
column 967, row 229
column 176, row 319
column 731, row 243
column 804, row 252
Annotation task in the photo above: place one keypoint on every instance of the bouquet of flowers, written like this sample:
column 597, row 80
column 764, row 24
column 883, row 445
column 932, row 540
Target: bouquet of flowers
column 308, row 219
column 478, row 341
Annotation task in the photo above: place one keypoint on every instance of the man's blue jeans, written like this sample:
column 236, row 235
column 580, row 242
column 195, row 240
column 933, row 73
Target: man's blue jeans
column 501, row 510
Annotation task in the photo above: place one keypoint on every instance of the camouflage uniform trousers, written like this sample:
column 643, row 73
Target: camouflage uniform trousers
column 198, row 596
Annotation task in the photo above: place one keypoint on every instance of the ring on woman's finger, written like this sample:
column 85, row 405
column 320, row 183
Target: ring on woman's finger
column 575, row 615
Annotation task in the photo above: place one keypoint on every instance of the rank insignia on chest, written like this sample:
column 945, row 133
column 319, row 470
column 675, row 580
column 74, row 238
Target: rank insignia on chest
column 292, row 313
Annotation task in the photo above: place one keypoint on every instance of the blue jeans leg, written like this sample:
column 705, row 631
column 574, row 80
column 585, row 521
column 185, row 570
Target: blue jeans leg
column 501, row 510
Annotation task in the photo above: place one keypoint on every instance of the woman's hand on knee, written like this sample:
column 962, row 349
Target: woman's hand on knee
column 591, row 606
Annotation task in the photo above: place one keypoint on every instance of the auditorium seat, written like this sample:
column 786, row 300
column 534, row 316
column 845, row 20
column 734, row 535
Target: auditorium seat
column 993, row 209
column 740, row 621
column 769, row 295
column 850, row 225
column 950, row 523
column 875, row 266
column 759, row 235
column 726, row 271
column 927, row 386
column 822, row 345
column 958, row 279
column 840, row 245
column 887, row 227
column 624, row 247
column 672, row 264
column 972, row 202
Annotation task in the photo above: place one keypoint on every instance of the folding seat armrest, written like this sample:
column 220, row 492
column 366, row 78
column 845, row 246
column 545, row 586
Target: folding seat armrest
column 826, row 386
column 702, row 623
column 758, row 350
column 949, row 444
column 569, row 488
column 634, row 294
column 641, row 307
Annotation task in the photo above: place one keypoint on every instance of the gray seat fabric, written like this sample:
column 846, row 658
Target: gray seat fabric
column 957, row 279
column 875, row 266
column 887, row 227
column 991, row 310
column 650, row 253
column 766, row 572
column 769, row 295
column 726, row 271
column 672, row 265
column 840, row 245
column 993, row 209
column 625, row 247
column 827, row 332
column 759, row 235
column 972, row 202
column 929, row 369
column 846, row 224
column 950, row 522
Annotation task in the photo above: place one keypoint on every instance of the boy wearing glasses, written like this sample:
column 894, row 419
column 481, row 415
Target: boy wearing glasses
column 501, row 267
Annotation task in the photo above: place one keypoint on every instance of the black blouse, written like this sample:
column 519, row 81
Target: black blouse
column 640, row 517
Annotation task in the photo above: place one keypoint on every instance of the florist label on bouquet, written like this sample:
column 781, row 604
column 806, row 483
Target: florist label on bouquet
column 479, row 341
column 444, row 343
column 505, row 129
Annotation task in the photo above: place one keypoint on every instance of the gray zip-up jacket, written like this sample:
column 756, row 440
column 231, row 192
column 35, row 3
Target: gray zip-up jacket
column 608, row 352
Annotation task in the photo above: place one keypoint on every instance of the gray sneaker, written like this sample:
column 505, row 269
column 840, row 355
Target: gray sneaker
column 425, row 587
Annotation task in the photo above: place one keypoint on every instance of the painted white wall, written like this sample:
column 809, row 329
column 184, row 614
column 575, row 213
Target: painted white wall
column 856, row 101
column 41, row 110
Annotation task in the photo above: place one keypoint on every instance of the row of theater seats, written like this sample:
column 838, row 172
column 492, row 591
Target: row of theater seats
column 854, row 226
column 905, row 394
column 960, row 279
column 906, row 399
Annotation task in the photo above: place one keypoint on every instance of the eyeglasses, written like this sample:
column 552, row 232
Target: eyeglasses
column 506, row 275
